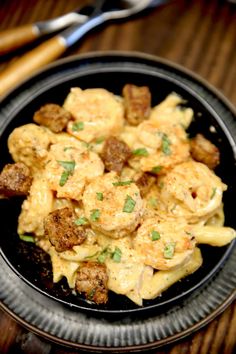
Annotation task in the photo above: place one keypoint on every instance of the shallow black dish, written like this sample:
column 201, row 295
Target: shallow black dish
column 112, row 71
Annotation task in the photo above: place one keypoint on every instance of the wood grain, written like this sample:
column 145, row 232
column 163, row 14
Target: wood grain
column 199, row 35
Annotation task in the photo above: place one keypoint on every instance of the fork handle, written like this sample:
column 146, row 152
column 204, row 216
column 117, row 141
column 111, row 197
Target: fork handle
column 17, row 37
column 30, row 62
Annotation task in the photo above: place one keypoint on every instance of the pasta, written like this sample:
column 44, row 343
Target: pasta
column 119, row 184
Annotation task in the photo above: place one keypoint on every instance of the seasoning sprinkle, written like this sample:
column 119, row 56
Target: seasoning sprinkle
column 129, row 204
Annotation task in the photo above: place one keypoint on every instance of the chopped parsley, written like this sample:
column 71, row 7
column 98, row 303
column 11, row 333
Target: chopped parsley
column 152, row 202
column 156, row 169
column 140, row 152
column 27, row 238
column 213, row 192
column 95, row 214
column 68, row 148
column 122, row 183
column 169, row 250
column 99, row 196
column 129, row 204
column 69, row 167
column 91, row 294
column 166, row 144
column 81, row 221
column 116, row 255
column 155, row 235
column 77, row 126
column 99, row 140
column 103, row 255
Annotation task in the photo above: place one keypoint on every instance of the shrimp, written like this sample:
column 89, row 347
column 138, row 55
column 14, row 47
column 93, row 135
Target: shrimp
column 97, row 113
column 30, row 144
column 168, row 111
column 70, row 167
column 159, row 146
column 163, row 244
column 191, row 190
column 114, row 208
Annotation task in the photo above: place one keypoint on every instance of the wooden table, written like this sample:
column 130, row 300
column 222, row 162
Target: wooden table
column 201, row 36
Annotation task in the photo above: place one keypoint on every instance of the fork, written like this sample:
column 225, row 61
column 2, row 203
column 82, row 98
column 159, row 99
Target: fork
column 104, row 10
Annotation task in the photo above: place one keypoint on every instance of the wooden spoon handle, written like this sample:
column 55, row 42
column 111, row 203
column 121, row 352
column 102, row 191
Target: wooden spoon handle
column 30, row 62
column 17, row 37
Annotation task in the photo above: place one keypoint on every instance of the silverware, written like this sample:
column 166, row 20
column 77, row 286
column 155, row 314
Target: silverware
column 17, row 37
column 102, row 11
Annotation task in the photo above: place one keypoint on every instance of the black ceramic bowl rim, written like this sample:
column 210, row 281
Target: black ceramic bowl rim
column 123, row 56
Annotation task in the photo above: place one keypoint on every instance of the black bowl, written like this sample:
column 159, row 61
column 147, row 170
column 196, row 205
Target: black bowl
column 112, row 70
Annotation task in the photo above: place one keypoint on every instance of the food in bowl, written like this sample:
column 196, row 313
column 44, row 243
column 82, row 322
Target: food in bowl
column 116, row 192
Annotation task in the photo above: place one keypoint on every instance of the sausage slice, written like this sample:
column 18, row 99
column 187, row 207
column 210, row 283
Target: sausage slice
column 137, row 102
column 202, row 150
column 53, row 117
column 92, row 280
column 60, row 228
column 15, row 180
column 114, row 154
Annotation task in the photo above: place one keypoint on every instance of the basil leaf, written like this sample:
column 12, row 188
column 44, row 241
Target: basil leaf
column 140, row 152
column 169, row 250
column 99, row 196
column 67, row 165
column 99, row 140
column 129, row 204
column 116, row 255
column 122, row 183
column 95, row 214
column 77, row 126
column 156, row 169
column 155, row 235
column 81, row 221
column 27, row 238
column 64, row 177
column 166, row 145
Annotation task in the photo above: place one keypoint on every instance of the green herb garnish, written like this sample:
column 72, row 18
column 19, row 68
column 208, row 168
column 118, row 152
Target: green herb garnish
column 69, row 167
column 103, row 255
column 129, row 204
column 152, row 202
column 156, row 169
column 95, row 214
column 91, row 294
column 99, row 140
column 27, row 238
column 140, row 152
column 122, row 183
column 213, row 192
column 68, row 148
column 99, row 196
column 155, row 235
column 169, row 250
column 77, row 126
column 81, row 221
column 116, row 255
column 166, row 145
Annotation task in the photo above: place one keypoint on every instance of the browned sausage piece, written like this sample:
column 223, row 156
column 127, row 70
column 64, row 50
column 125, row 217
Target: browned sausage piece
column 204, row 151
column 114, row 154
column 92, row 280
column 137, row 102
column 144, row 183
column 15, row 179
column 60, row 228
column 53, row 117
